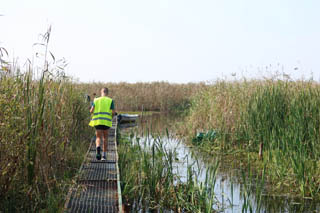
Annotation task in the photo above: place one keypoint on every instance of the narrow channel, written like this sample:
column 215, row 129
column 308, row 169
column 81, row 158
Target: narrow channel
column 232, row 192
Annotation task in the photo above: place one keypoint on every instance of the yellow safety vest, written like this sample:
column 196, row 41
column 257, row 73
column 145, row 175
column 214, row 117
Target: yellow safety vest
column 102, row 114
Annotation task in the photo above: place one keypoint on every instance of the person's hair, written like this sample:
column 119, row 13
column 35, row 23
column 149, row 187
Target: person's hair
column 105, row 90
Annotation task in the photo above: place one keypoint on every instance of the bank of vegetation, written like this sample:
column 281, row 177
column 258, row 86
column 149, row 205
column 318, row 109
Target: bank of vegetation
column 44, row 134
column 150, row 182
column 144, row 96
column 280, row 119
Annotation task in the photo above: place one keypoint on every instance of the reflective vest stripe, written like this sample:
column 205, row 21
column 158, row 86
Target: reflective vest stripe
column 102, row 113
column 101, row 118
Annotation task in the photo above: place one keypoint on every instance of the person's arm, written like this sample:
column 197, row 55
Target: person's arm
column 92, row 109
column 112, row 108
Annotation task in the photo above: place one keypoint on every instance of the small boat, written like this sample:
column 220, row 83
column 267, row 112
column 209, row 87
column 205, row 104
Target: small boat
column 126, row 118
column 127, row 125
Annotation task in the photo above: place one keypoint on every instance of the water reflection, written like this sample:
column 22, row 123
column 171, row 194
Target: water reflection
column 234, row 192
column 127, row 125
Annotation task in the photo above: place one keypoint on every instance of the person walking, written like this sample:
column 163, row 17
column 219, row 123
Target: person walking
column 103, row 112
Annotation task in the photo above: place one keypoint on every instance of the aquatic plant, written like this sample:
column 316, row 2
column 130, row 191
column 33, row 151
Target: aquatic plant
column 43, row 126
column 148, row 178
column 279, row 119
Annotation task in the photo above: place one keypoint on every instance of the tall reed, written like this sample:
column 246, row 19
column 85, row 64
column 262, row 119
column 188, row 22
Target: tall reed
column 149, row 180
column 283, row 117
column 144, row 96
column 43, row 126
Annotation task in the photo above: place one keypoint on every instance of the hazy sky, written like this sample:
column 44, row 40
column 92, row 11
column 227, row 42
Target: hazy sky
column 170, row 40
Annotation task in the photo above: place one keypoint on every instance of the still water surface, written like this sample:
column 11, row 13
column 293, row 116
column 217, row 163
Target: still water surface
column 232, row 195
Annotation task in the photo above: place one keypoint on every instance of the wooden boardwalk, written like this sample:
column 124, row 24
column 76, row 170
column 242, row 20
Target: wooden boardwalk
column 98, row 184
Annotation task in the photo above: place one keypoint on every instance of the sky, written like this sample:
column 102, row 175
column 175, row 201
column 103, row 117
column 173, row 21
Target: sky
column 169, row 40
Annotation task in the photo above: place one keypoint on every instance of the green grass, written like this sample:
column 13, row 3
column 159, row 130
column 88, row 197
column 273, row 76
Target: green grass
column 148, row 179
column 283, row 116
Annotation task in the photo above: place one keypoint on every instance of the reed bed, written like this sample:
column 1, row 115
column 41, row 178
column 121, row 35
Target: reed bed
column 281, row 119
column 149, row 180
column 154, row 96
column 43, row 125
column 43, row 136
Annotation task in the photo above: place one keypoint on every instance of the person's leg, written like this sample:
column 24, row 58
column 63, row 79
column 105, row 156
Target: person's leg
column 98, row 142
column 105, row 142
column 98, row 137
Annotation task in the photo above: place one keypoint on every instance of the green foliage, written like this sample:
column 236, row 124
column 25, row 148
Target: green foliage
column 210, row 135
column 43, row 123
column 283, row 116
column 148, row 179
column 39, row 124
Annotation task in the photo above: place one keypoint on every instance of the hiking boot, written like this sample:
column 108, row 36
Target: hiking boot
column 98, row 156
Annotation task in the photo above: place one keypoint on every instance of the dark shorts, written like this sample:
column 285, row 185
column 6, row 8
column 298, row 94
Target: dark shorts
column 101, row 127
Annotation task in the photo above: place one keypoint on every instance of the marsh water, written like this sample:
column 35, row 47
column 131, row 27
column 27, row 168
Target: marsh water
column 234, row 191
